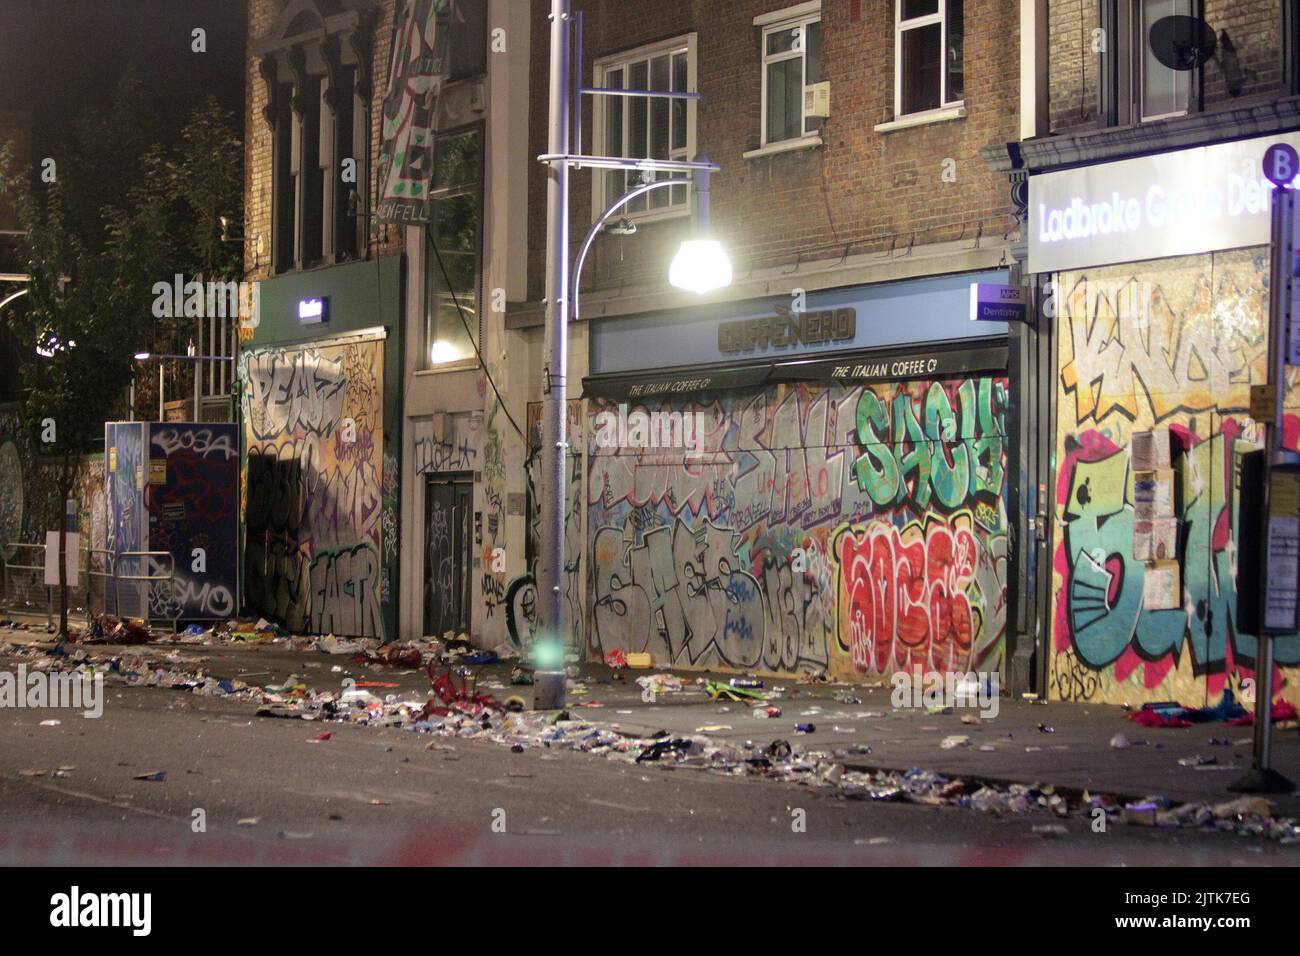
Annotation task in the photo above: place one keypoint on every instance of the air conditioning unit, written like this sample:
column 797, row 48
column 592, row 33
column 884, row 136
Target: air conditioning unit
column 817, row 99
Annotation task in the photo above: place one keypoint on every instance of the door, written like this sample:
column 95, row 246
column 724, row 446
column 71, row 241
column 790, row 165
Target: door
column 448, row 510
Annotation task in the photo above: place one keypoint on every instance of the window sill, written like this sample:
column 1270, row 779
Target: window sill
column 956, row 111
column 785, row 146
column 460, row 365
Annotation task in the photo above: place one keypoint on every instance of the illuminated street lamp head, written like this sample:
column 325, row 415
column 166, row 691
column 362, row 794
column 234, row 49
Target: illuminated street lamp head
column 701, row 265
column 142, row 356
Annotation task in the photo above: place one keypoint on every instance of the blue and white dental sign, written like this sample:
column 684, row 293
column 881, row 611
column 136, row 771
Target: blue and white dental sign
column 1170, row 204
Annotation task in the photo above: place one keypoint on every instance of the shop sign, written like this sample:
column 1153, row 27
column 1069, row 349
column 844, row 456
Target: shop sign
column 788, row 328
column 1170, row 204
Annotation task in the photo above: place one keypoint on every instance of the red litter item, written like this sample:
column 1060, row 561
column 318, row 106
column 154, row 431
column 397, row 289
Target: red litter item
column 616, row 659
column 325, row 735
column 1151, row 718
column 1282, row 710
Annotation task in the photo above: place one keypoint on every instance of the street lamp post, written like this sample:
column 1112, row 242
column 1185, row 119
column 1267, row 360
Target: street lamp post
column 700, row 266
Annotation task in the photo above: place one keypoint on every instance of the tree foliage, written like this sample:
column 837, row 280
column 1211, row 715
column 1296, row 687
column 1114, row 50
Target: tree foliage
column 128, row 209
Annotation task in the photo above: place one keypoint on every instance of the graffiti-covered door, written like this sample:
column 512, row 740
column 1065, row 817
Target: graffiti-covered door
column 448, row 505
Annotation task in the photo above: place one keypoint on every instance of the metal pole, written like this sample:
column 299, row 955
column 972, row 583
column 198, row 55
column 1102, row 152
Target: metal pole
column 548, row 688
column 1262, row 778
column 162, row 369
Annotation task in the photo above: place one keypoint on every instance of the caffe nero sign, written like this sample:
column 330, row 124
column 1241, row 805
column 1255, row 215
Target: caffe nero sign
column 787, row 329
column 1170, row 204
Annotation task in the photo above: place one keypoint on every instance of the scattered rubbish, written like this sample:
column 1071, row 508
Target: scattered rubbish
column 1120, row 742
column 616, row 659
column 778, row 749
column 1141, row 814
column 953, row 741
column 33, row 772
column 720, row 691
column 805, row 728
column 325, row 735
column 712, row 728
column 748, row 683
column 639, row 660
column 660, row 683
column 1046, row 729
column 1197, row 760
column 248, row 822
column 969, row 719
column 157, row 776
column 50, row 723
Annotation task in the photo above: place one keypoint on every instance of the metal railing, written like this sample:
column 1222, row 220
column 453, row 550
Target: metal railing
column 24, row 583
column 149, row 585
column 100, row 566
column 100, row 578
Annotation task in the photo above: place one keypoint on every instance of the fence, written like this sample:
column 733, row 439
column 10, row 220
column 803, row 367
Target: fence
column 148, row 593
column 152, row 596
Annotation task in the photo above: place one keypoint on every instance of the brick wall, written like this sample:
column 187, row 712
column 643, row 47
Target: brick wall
column 1252, row 27
column 861, row 190
column 257, row 135
column 1072, row 64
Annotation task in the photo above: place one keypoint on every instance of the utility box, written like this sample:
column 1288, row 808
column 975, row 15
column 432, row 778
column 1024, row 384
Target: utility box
column 171, row 490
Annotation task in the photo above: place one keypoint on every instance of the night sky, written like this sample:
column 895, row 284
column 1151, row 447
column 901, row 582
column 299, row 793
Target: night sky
column 58, row 56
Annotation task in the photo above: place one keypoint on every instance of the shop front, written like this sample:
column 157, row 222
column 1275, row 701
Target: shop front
column 1155, row 271
column 821, row 486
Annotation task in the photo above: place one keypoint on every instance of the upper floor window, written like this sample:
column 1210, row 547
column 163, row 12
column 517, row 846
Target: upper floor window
column 792, row 61
column 454, row 249
column 316, row 73
column 645, row 127
column 467, row 39
column 1135, row 86
column 928, row 67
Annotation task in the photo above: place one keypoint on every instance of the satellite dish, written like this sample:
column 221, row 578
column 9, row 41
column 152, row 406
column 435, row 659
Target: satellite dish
column 1182, row 43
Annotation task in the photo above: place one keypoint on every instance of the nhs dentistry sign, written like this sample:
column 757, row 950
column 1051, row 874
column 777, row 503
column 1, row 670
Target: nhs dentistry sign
column 1172, row 204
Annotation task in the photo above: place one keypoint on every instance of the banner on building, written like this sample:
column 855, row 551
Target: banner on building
column 417, row 68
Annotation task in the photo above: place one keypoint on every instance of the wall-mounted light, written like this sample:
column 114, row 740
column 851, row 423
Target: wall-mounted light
column 227, row 237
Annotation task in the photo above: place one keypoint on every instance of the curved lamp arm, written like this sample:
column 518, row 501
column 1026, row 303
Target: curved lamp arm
column 595, row 227
column 5, row 301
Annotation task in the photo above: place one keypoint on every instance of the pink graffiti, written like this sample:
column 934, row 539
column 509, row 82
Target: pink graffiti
column 903, row 596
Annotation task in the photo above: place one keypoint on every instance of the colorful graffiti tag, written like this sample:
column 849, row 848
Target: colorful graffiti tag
column 313, row 420
column 195, row 506
column 1175, row 349
column 846, row 530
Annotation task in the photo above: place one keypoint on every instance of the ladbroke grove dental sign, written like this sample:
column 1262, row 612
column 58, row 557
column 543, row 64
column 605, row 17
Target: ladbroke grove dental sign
column 1189, row 201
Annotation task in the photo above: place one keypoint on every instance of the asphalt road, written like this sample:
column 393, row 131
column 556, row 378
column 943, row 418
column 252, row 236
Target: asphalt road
column 271, row 794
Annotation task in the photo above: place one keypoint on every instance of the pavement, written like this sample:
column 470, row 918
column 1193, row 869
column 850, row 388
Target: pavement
column 168, row 777
column 1063, row 745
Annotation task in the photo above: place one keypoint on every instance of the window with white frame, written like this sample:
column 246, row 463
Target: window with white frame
column 645, row 127
column 928, row 71
column 792, row 60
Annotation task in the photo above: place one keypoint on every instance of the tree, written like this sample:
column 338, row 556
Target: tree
column 96, row 241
